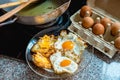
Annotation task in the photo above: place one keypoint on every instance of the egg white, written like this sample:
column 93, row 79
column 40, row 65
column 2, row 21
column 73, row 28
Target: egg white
column 56, row 59
column 78, row 48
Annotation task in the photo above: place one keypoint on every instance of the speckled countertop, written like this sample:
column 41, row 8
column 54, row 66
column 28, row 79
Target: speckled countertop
column 100, row 68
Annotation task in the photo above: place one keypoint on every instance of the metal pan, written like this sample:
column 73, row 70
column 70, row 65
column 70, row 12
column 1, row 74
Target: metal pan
column 39, row 12
column 85, row 60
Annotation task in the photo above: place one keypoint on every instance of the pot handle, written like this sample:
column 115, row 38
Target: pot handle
column 8, row 22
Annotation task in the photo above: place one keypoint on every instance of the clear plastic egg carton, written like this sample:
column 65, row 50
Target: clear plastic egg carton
column 104, row 43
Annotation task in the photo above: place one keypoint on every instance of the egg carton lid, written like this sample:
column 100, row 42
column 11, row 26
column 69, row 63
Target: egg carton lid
column 109, row 8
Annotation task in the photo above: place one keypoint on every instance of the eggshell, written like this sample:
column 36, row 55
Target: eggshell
column 98, row 29
column 87, row 22
column 84, row 9
column 104, row 21
column 117, row 42
column 115, row 27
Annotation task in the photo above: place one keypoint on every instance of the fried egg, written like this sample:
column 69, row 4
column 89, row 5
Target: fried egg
column 62, row 64
column 41, row 61
column 71, row 45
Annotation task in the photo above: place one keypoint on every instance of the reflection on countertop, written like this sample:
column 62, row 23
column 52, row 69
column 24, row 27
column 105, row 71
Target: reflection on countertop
column 100, row 68
column 111, row 71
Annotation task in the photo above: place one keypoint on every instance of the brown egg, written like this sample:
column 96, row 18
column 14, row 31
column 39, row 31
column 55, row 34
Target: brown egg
column 98, row 29
column 87, row 22
column 104, row 21
column 84, row 9
column 117, row 42
column 115, row 27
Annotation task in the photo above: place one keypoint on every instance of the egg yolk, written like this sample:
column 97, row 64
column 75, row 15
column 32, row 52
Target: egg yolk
column 65, row 63
column 68, row 45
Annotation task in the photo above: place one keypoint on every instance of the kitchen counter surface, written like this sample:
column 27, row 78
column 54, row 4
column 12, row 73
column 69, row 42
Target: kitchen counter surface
column 100, row 68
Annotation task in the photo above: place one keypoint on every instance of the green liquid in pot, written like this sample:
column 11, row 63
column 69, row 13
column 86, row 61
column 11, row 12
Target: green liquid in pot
column 39, row 8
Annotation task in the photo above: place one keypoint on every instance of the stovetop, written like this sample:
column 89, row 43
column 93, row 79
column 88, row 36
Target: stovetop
column 15, row 37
